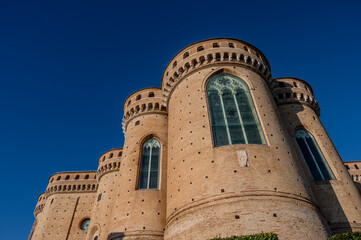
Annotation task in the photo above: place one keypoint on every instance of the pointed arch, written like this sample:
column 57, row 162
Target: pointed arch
column 231, row 111
column 149, row 164
column 315, row 160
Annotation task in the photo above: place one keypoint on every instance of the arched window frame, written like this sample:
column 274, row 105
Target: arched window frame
column 148, row 186
column 248, row 95
column 325, row 172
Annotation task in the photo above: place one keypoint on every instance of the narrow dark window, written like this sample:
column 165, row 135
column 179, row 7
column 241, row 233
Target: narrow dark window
column 200, row 48
column 129, row 102
column 52, row 180
column 245, row 48
column 232, row 113
column 151, row 94
column 138, row 97
column 348, row 168
column 231, row 45
column 215, row 45
column 174, row 64
column 313, row 156
column 99, row 197
column 185, row 55
column 86, row 177
column 295, row 84
column 149, row 165
column 58, row 178
column 356, row 166
column 111, row 155
column 67, row 177
column 76, row 177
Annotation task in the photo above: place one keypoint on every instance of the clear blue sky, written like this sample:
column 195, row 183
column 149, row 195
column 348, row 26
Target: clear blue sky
column 67, row 66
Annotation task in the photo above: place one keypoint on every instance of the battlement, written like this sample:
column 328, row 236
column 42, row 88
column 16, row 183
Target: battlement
column 290, row 90
column 354, row 168
column 109, row 161
column 212, row 51
column 110, row 154
column 145, row 101
column 220, row 148
column 70, row 176
column 40, row 204
column 65, row 182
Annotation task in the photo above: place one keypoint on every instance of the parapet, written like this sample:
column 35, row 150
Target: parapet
column 354, row 168
column 70, row 182
column 40, row 204
column 212, row 51
column 288, row 90
column 142, row 102
column 109, row 161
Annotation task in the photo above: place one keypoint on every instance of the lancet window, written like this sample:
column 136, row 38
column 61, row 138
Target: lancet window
column 232, row 113
column 313, row 156
column 149, row 165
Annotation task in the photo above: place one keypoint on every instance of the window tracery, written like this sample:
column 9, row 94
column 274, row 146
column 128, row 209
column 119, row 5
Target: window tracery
column 232, row 113
column 149, row 165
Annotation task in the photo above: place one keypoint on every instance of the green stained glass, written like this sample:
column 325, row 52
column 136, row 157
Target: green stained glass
column 232, row 114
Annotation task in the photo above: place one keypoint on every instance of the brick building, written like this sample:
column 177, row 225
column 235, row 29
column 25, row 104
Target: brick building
column 220, row 148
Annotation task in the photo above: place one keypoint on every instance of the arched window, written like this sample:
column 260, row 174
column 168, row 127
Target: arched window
column 231, row 110
column 149, row 165
column 313, row 156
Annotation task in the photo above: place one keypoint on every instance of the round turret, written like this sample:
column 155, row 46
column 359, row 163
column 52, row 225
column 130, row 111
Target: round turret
column 229, row 157
column 328, row 177
column 140, row 103
column 40, row 204
column 67, row 199
column 108, row 170
column 212, row 52
column 109, row 162
column 289, row 90
column 126, row 207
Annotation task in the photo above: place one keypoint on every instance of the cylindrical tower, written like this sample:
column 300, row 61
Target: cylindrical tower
column 64, row 210
column 40, row 219
column 139, row 210
column 215, row 187
column 337, row 196
column 108, row 170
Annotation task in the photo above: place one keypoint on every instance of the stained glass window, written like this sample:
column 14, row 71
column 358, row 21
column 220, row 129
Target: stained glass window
column 149, row 165
column 313, row 156
column 232, row 113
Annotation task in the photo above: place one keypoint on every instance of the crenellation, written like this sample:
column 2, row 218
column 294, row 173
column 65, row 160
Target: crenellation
column 221, row 147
